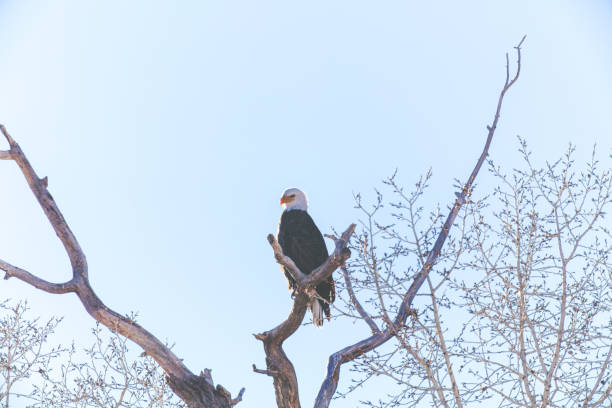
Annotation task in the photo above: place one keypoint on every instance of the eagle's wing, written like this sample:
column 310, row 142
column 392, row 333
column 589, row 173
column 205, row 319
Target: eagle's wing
column 302, row 241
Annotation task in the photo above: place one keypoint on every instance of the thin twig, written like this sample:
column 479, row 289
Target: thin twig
column 364, row 315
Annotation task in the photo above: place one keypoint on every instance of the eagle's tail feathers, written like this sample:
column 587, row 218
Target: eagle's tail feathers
column 317, row 312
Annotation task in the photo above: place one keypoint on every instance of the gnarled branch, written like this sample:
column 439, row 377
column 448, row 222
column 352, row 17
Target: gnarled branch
column 330, row 383
column 195, row 390
column 279, row 367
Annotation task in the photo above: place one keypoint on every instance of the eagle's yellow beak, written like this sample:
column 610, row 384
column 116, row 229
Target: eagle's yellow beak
column 286, row 199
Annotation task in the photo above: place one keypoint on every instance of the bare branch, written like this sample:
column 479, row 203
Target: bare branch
column 442, row 341
column 364, row 315
column 279, row 366
column 55, row 217
column 328, row 388
column 194, row 390
column 13, row 271
column 266, row 372
column 238, row 398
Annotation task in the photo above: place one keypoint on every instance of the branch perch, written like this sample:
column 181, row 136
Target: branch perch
column 279, row 367
column 284, row 260
column 330, row 383
column 196, row 391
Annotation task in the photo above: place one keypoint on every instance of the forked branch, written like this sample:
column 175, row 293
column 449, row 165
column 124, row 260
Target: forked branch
column 330, row 383
column 196, row 391
column 279, row 367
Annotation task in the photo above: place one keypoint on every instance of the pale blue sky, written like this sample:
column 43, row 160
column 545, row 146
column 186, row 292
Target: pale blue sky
column 168, row 131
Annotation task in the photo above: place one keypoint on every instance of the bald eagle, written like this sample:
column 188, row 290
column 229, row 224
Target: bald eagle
column 302, row 241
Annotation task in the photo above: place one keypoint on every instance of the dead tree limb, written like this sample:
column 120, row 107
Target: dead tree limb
column 330, row 383
column 197, row 391
column 279, row 367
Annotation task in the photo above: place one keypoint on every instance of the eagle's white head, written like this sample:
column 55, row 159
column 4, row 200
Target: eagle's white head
column 294, row 199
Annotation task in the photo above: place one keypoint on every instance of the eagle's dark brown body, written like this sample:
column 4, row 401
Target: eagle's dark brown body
column 302, row 241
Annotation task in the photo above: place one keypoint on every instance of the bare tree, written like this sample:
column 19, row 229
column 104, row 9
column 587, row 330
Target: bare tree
column 198, row 390
column 195, row 390
column 23, row 351
column 106, row 374
column 518, row 309
column 279, row 366
column 542, row 303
